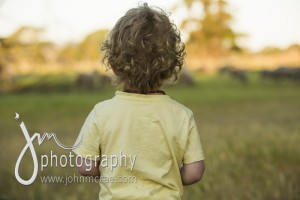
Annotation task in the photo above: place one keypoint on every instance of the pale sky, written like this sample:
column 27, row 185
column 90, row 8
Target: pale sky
column 266, row 22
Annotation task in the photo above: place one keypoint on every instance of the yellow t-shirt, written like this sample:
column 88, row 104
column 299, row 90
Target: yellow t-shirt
column 151, row 134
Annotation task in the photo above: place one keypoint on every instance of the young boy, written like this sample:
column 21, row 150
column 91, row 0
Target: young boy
column 141, row 132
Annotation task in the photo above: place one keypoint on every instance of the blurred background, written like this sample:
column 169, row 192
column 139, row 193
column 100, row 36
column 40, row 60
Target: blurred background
column 241, row 79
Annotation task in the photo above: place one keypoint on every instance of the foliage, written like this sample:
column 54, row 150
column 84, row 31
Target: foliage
column 25, row 45
column 88, row 49
column 212, row 34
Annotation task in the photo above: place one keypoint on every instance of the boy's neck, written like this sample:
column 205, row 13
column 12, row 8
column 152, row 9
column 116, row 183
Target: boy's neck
column 152, row 92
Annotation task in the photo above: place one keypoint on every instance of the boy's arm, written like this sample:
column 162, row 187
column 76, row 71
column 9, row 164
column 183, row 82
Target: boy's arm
column 192, row 173
column 92, row 169
column 193, row 158
column 89, row 147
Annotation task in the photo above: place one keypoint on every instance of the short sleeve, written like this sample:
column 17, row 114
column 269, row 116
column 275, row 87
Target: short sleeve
column 89, row 139
column 193, row 151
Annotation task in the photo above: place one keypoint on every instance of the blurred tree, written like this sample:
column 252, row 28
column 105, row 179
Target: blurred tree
column 270, row 50
column 68, row 53
column 294, row 46
column 25, row 35
column 25, row 49
column 90, row 46
column 210, row 34
column 88, row 49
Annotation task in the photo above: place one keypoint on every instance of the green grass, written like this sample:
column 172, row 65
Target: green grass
column 250, row 135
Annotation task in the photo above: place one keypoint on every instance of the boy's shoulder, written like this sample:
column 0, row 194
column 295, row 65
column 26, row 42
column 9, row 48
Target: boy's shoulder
column 103, row 105
column 181, row 107
column 169, row 104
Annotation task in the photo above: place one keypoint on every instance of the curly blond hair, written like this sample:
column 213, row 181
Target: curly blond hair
column 144, row 49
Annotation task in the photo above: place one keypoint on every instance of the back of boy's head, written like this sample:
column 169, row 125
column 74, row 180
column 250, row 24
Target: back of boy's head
column 144, row 49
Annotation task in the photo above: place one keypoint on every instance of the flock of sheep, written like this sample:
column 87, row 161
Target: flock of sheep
column 91, row 80
column 281, row 73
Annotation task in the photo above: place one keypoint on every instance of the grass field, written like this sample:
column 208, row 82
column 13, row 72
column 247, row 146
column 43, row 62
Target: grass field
column 250, row 134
